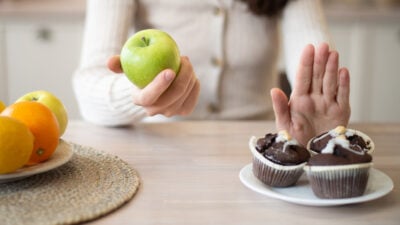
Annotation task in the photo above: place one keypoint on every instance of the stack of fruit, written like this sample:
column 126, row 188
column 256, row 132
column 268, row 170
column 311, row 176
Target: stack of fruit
column 30, row 129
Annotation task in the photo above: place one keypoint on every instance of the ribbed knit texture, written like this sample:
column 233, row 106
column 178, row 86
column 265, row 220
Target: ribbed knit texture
column 303, row 23
column 247, row 47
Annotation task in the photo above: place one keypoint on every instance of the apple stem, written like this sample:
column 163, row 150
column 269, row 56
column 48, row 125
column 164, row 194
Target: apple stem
column 146, row 40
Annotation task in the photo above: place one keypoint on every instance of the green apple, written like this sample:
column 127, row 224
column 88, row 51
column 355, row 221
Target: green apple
column 146, row 54
column 52, row 102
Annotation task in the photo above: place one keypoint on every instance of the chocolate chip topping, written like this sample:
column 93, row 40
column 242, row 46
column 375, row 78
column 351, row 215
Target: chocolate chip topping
column 283, row 153
column 357, row 142
column 318, row 143
column 340, row 156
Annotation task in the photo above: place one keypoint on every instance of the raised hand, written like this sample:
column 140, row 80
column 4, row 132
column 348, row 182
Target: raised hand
column 320, row 97
column 168, row 94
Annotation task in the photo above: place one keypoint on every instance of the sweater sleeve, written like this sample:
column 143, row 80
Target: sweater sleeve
column 105, row 98
column 303, row 23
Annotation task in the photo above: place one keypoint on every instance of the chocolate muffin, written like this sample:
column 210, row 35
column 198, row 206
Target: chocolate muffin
column 341, row 170
column 278, row 160
column 358, row 141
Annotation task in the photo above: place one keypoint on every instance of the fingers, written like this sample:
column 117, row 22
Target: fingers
column 171, row 98
column 114, row 64
column 343, row 92
column 320, row 60
column 304, row 74
column 152, row 92
column 191, row 101
column 318, row 72
column 280, row 105
column 179, row 86
column 330, row 80
column 184, row 105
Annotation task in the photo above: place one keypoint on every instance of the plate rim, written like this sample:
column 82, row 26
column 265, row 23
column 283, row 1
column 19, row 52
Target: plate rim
column 62, row 154
column 315, row 201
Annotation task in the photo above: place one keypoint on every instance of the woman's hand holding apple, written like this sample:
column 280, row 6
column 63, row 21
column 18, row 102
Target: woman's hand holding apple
column 168, row 94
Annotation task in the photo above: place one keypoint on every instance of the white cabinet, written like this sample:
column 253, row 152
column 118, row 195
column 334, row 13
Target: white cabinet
column 40, row 54
column 371, row 51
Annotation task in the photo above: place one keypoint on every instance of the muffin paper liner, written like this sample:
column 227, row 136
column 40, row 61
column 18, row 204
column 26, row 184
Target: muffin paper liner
column 273, row 174
column 342, row 181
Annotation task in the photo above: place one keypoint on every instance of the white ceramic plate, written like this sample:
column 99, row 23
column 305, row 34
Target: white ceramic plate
column 379, row 184
column 62, row 155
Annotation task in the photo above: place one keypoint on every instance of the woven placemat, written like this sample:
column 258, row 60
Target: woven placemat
column 92, row 184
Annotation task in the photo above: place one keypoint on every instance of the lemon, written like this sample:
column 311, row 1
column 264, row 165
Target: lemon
column 16, row 144
column 2, row 106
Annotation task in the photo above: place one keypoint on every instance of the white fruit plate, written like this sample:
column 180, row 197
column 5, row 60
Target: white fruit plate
column 62, row 154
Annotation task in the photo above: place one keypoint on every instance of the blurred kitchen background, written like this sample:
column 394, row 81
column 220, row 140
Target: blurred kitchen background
column 40, row 44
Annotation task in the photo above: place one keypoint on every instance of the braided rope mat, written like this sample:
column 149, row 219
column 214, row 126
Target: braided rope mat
column 91, row 184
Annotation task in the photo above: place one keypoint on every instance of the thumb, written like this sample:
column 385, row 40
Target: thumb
column 152, row 92
column 280, row 104
column 114, row 64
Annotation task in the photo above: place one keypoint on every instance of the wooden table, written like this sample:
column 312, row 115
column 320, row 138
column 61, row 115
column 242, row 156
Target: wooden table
column 190, row 175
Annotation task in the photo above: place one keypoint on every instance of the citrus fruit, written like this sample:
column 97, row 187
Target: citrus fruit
column 53, row 102
column 16, row 144
column 43, row 124
column 2, row 106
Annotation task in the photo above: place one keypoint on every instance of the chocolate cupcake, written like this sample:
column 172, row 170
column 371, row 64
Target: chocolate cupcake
column 278, row 160
column 340, row 170
column 358, row 141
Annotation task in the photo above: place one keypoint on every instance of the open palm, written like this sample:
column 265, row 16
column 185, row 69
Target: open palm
column 320, row 97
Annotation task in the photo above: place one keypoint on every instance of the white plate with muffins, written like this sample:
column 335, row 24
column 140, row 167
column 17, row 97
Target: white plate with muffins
column 379, row 184
column 338, row 166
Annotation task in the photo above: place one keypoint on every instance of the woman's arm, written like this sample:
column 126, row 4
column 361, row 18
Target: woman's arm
column 303, row 22
column 320, row 96
column 104, row 97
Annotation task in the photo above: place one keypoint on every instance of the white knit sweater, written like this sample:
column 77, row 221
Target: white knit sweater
column 234, row 54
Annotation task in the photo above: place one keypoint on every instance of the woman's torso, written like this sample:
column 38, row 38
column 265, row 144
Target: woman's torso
column 234, row 52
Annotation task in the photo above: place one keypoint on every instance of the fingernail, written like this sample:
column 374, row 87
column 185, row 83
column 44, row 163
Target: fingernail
column 169, row 75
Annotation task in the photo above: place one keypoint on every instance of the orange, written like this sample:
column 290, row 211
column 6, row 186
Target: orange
column 2, row 106
column 43, row 124
column 16, row 143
